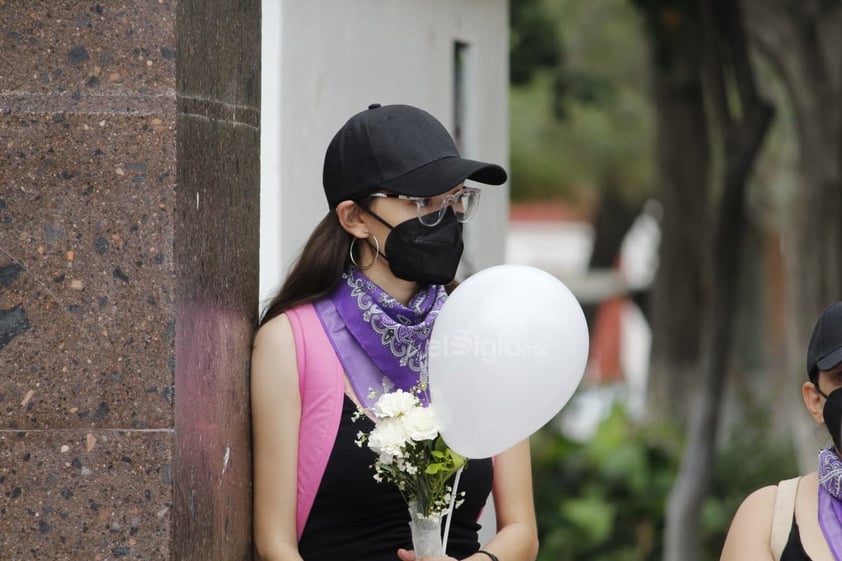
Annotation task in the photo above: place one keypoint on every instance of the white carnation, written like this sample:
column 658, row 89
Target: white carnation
column 388, row 439
column 420, row 424
column 394, row 404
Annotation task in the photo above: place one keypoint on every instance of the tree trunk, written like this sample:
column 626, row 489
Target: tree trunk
column 690, row 488
column 803, row 41
column 726, row 68
column 678, row 294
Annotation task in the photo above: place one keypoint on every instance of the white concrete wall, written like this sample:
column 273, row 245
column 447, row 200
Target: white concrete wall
column 324, row 60
column 271, row 232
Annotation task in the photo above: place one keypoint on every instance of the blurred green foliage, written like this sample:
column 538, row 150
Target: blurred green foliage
column 533, row 40
column 580, row 115
column 592, row 149
column 605, row 499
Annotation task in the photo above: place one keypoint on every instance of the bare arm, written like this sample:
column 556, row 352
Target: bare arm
column 751, row 530
column 517, row 532
column 276, row 411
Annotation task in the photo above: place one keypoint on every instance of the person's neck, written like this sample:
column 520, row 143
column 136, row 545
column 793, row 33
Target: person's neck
column 399, row 289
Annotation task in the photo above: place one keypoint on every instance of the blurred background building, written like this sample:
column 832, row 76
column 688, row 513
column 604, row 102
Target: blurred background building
column 324, row 61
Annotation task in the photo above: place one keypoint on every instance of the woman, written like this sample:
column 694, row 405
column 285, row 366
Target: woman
column 801, row 519
column 374, row 271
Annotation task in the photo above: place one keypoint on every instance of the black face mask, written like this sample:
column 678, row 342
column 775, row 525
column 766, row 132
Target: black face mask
column 424, row 254
column 833, row 415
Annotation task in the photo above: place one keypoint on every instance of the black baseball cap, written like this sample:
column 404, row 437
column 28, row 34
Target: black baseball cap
column 825, row 350
column 400, row 149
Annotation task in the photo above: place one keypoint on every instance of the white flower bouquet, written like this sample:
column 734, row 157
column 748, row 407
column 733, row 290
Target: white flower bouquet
column 412, row 455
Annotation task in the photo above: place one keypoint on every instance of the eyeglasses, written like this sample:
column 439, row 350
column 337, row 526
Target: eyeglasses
column 431, row 209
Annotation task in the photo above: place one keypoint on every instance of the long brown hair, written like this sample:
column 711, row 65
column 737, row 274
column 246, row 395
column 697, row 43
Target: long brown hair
column 317, row 270
column 319, row 267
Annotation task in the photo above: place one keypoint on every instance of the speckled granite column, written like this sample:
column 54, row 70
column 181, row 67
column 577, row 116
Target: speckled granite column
column 128, row 277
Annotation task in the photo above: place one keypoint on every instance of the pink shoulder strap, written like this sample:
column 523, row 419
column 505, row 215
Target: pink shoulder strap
column 321, row 384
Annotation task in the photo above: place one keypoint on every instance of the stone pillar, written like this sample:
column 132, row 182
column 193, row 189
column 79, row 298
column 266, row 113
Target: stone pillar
column 129, row 150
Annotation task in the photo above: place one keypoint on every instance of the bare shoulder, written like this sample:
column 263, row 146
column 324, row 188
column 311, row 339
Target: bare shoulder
column 273, row 362
column 809, row 481
column 760, row 501
column 751, row 529
column 756, row 511
column 276, row 331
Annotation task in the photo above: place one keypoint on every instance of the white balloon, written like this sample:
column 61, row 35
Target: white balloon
column 507, row 351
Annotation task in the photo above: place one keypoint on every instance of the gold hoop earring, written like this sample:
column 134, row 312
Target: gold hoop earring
column 376, row 252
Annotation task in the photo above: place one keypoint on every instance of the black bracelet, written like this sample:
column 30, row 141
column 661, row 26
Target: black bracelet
column 491, row 555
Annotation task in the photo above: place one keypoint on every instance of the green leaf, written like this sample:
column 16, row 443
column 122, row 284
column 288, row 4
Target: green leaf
column 591, row 515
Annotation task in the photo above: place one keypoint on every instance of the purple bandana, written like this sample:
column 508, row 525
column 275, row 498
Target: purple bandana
column 381, row 343
column 830, row 500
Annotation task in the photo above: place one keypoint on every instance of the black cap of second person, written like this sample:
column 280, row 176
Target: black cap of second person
column 825, row 349
column 401, row 149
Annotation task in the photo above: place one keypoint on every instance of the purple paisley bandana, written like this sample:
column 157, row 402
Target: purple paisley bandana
column 830, row 500
column 381, row 343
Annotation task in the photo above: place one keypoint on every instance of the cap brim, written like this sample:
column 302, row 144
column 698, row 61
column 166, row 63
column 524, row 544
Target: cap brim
column 830, row 361
column 443, row 175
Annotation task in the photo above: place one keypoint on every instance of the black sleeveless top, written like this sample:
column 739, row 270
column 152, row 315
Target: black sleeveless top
column 355, row 518
column 794, row 551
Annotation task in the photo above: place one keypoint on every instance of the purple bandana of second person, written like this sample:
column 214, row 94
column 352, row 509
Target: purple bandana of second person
column 830, row 499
